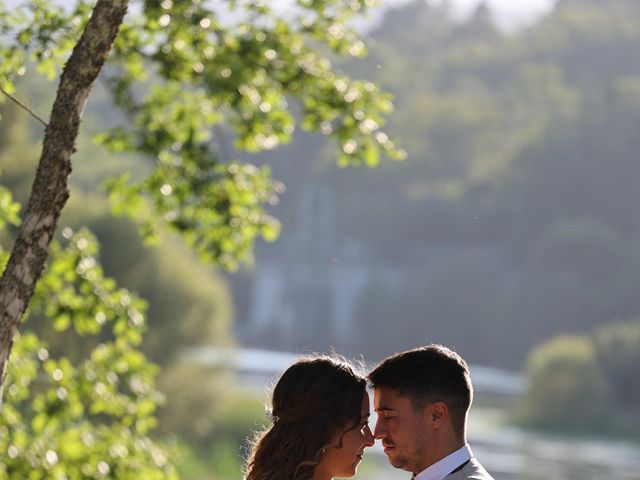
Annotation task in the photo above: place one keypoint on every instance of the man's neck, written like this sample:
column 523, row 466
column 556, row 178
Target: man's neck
column 441, row 452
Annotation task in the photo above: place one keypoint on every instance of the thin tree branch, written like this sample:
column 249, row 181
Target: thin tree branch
column 22, row 105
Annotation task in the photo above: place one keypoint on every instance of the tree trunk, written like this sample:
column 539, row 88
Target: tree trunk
column 49, row 192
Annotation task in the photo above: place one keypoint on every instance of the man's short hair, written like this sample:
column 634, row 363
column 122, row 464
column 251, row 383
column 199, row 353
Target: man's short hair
column 433, row 373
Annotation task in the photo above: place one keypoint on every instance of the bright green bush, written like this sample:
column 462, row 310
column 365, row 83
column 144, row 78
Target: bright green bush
column 566, row 386
column 586, row 382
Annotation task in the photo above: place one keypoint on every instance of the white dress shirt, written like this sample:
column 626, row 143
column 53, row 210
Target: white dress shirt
column 445, row 466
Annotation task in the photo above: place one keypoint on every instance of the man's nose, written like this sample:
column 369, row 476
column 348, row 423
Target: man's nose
column 380, row 431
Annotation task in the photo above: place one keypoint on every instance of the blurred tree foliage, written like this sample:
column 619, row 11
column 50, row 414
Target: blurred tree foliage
column 182, row 75
column 586, row 382
column 167, row 275
column 86, row 415
column 178, row 70
column 618, row 349
column 515, row 216
column 241, row 416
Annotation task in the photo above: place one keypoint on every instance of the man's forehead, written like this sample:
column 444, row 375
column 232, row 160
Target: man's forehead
column 386, row 398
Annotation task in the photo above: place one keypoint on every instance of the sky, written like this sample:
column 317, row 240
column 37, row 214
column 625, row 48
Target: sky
column 509, row 14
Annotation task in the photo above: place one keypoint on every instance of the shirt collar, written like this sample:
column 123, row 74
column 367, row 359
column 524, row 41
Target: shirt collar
column 445, row 466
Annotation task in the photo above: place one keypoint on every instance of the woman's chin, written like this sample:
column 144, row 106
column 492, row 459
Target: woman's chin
column 349, row 472
column 354, row 469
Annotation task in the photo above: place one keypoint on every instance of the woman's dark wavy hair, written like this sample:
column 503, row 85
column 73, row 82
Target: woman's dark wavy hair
column 315, row 398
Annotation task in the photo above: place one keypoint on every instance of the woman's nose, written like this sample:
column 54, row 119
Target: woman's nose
column 369, row 440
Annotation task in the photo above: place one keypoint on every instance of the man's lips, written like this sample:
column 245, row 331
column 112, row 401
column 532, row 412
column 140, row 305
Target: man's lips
column 387, row 448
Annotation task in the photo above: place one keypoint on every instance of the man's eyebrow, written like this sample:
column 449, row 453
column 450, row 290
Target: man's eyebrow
column 384, row 409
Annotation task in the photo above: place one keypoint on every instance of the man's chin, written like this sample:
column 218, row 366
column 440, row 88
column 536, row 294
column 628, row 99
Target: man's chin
column 395, row 461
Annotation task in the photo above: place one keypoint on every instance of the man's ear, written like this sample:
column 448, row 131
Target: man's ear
column 438, row 414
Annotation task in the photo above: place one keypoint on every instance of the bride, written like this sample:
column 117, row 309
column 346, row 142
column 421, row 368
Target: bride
column 320, row 413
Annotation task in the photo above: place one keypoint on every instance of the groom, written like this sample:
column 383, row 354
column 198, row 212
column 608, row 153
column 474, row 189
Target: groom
column 422, row 397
